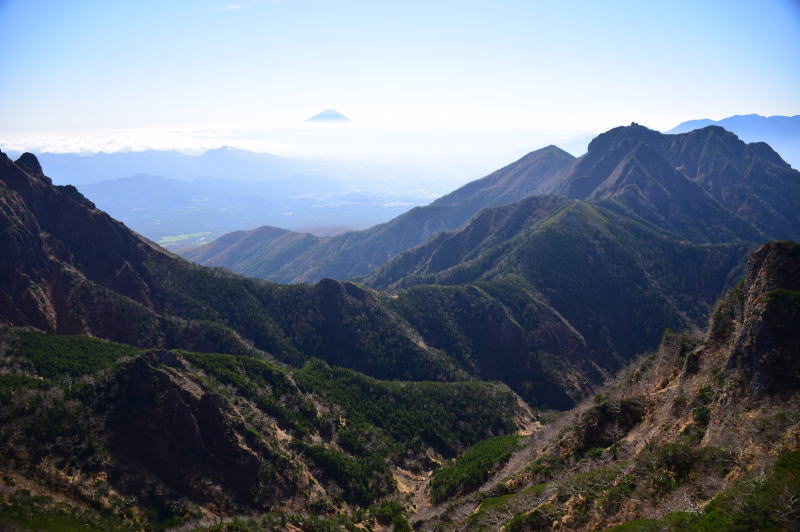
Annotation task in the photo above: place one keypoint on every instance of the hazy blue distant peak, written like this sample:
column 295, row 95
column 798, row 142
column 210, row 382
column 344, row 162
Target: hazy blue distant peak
column 782, row 133
column 223, row 149
column 776, row 123
column 329, row 115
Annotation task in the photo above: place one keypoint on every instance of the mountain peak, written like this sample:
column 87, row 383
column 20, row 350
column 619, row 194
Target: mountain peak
column 634, row 132
column 552, row 148
column 547, row 152
column 28, row 162
column 329, row 115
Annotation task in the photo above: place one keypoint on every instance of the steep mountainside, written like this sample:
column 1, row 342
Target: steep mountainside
column 703, row 434
column 264, row 249
column 253, row 253
column 684, row 183
column 643, row 235
column 594, row 267
column 533, row 174
column 71, row 269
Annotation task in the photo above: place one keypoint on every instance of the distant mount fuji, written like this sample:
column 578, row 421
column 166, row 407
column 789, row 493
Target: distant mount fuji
column 329, row 116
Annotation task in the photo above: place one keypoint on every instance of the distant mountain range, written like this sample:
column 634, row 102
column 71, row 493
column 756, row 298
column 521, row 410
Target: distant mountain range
column 183, row 200
column 283, row 256
column 705, row 186
column 221, row 163
column 780, row 132
column 179, row 213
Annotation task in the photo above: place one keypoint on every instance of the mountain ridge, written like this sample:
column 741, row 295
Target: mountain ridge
column 105, row 280
column 356, row 253
column 705, row 185
column 608, row 265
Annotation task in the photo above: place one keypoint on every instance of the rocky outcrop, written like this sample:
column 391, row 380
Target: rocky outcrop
column 164, row 423
column 766, row 342
column 28, row 162
column 606, row 423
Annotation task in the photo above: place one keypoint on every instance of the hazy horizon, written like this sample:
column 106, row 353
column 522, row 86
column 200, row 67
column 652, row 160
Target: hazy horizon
column 441, row 84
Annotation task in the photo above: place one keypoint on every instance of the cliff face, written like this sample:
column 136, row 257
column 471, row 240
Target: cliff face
column 765, row 339
column 55, row 240
column 164, row 422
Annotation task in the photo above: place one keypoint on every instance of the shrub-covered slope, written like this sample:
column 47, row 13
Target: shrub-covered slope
column 614, row 280
column 703, row 434
column 108, row 434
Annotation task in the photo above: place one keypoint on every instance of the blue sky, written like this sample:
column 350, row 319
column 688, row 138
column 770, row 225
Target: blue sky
column 77, row 67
